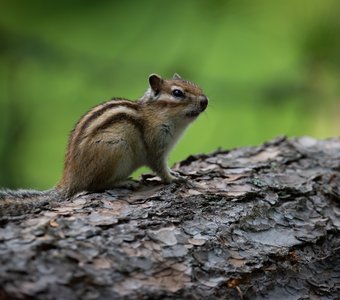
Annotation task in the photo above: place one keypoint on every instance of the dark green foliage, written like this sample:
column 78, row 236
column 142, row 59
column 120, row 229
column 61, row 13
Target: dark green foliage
column 269, row 68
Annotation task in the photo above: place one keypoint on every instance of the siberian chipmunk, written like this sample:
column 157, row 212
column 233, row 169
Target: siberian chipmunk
column 117, row 137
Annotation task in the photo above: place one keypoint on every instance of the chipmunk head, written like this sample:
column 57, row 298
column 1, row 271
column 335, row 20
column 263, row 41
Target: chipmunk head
column 177, row 96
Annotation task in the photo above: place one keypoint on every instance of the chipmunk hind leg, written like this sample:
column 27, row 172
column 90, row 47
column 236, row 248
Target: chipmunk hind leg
column 106, row 163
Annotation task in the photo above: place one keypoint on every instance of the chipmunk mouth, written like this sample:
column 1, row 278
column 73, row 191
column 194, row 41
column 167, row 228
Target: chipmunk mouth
column 193, row 114
column 202, row 106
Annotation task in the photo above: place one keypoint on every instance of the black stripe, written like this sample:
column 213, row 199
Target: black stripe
column 117, row 118
column 76, row 134
column 109, row 105
column 98, row 113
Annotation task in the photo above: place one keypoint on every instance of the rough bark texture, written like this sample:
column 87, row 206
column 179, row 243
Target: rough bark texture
column 253, row 223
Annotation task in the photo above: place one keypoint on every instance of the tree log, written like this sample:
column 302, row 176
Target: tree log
column 249, row 223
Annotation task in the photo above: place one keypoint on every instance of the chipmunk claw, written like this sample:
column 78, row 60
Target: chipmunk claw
column 176, row 177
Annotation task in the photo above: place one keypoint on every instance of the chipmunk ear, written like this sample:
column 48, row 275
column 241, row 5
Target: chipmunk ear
column 156, row 82
column 176, row 76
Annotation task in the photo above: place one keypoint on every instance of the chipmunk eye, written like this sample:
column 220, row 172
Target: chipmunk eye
column 178, row 93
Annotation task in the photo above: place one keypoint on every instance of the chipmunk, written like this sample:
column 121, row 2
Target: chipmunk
column 117, row 137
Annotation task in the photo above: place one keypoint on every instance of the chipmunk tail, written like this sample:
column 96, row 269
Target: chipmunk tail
column 20, row 202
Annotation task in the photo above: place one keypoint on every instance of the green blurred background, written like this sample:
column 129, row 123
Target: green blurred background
column 268, row 67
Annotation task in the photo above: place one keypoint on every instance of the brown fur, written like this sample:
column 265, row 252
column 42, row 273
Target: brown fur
column 117, row 137
column 186, row 85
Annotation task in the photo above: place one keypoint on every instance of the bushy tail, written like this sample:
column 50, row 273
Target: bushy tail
column 19, row 202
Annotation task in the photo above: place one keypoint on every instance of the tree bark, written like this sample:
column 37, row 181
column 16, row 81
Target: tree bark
column 250, row 223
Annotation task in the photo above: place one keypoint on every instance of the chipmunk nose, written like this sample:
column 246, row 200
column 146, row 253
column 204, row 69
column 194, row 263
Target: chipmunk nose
column 204, row 102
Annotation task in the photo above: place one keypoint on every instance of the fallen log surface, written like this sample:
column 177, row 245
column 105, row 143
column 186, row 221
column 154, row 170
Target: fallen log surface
column 250, row 223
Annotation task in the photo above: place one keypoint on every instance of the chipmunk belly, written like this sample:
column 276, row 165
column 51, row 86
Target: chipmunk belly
column 162, row 136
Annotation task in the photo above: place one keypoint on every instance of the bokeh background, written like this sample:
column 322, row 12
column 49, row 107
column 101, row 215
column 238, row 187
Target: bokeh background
column 268, row 67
